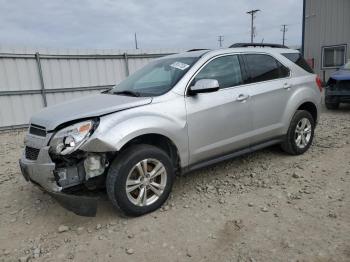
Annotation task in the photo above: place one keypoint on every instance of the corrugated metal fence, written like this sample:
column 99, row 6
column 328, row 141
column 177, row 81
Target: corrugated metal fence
column 33, row 79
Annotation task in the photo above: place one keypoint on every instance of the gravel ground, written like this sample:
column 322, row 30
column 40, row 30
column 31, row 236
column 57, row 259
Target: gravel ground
column 266, row 206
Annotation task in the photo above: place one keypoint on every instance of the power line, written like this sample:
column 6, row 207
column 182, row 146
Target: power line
column 271, row 28
column 252, row 29
column 284, row 29
column 220, row 39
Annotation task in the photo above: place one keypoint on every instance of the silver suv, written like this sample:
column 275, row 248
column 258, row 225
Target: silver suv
column 177, row 114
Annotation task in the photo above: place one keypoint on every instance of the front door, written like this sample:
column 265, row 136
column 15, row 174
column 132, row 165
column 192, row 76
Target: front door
column 219, row 122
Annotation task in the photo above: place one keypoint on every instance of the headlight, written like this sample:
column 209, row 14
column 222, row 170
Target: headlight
column 70, row 138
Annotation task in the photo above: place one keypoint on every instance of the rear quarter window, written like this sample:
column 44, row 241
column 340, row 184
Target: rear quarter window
column 298, row 59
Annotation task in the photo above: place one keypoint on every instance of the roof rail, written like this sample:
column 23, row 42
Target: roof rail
column 237, row 45
column 197, row 49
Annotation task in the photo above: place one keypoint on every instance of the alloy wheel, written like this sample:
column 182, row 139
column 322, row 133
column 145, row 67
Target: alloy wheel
column 146, row 182
column 303, row 133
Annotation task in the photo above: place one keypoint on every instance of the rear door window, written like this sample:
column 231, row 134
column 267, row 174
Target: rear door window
column 261, row 67
column 298, row 59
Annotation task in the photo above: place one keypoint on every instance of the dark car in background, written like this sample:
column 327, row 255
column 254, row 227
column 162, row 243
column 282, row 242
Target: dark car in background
column 338, row 87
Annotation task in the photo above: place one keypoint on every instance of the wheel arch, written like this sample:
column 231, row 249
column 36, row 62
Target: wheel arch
column 311, row 108
column 306, row 103
column 158, row 140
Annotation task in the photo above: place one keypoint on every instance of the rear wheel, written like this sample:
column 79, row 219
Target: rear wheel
column 300, row 133
column 140, row 180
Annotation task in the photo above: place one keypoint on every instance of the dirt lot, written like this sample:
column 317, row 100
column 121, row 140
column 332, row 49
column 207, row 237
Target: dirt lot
column 265, row 206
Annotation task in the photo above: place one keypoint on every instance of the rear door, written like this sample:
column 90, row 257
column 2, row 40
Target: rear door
column 269, row 87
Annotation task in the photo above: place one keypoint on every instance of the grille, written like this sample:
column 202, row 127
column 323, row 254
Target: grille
column 31, row 153
column 37, row 130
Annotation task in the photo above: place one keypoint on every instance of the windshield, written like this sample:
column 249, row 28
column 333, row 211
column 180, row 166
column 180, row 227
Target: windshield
column 347, row 65
column 156, row 78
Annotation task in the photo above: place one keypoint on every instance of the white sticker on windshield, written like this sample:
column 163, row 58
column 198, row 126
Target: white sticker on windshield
column 179, row 65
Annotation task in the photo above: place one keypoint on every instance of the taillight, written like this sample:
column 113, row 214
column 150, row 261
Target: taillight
column 319, row 83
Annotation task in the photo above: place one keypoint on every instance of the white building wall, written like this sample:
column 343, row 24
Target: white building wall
column 327, row 23
column 66, row 73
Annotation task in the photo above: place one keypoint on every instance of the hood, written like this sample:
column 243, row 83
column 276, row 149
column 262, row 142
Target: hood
column 341, row 75
column 89, row 106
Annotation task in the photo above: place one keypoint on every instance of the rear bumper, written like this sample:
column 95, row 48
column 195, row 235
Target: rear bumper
column 40, row 173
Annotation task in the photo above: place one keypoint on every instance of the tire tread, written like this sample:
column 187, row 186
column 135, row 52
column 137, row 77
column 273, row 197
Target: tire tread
column 115, row 170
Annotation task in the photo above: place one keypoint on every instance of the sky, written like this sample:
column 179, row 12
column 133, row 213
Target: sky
column 111, row 24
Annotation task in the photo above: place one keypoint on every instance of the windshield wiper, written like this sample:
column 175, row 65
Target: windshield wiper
column 107, row 90
column 127, row 93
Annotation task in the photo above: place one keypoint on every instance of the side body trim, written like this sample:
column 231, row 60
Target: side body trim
column 231, row 155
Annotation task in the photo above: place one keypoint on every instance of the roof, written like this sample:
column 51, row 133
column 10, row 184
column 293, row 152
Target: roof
column 253, row 49
column 198, row 53
column 214, row 52
column 257, row 45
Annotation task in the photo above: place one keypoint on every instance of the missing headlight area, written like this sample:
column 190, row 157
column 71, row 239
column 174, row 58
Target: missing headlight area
column 78, row 168
column 70, row 176
column 95, row 165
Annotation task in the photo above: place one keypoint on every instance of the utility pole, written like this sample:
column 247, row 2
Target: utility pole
column 284, row 29
column 136, row 46
column 220, row 39
column 252, row 29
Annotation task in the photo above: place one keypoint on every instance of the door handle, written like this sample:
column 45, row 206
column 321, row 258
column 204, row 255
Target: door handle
column 287, row 85
column 242, row 97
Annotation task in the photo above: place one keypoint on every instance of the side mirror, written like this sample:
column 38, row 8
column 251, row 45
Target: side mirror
column 204, row 86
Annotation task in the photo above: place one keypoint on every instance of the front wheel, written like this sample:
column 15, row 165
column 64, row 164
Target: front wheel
column 300, row 133
column 140, row 180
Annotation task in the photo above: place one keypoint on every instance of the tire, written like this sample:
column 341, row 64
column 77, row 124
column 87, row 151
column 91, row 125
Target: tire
column 332, row 106
column 290, row 144
column 129, row 166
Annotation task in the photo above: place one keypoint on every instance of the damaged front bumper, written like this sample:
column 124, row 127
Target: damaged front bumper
column 41, row 173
